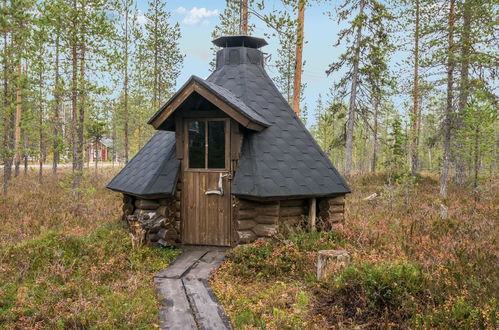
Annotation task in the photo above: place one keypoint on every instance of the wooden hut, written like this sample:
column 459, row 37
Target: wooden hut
column 231, row 161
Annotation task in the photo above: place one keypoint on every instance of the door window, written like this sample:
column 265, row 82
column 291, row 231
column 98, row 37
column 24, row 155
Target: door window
column 206, row 144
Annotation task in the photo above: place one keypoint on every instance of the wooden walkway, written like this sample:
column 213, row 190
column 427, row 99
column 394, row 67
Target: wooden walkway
column 187, row 301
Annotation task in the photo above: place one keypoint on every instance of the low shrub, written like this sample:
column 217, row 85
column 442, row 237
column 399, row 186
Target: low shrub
column 269, row 258
column 363, row 293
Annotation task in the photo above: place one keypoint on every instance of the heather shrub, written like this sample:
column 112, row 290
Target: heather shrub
column 390, row 293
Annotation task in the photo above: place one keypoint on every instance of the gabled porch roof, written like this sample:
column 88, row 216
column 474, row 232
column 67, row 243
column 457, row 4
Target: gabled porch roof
column 218, row 96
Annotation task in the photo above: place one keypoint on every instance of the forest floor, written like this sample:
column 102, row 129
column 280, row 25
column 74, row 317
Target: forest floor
column 66, row 266
column 72, row 266
column 410, row 268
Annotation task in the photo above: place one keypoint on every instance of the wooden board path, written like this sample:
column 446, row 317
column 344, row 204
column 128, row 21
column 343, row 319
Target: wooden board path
column 187, row 301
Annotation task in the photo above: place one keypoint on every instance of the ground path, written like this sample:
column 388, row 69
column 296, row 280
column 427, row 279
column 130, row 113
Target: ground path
column 187, row 301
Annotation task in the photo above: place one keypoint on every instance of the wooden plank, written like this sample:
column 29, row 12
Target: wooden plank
column 172, row 106
column 183, row 263
column 312, row 214
column 291, row 211
column 179, row 138
column 174, row 312
column 207, row 310
column 206, row 265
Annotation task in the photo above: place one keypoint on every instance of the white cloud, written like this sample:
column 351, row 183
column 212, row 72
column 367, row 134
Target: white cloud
column 181, row 10
column 196, row 15
column 141, row 18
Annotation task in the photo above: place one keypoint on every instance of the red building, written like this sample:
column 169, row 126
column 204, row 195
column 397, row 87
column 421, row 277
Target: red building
column 100, row 150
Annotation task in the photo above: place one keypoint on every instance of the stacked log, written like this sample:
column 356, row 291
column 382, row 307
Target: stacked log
column 255, row 219
column 331, row 211
column 128, row 206
column 154, row 221
column 292, row 212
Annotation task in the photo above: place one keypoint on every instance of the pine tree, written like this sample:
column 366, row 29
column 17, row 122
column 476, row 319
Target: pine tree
column 367, row 16
column 162, row 53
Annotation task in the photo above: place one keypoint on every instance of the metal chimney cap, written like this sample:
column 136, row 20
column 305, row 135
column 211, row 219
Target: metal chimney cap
column 240, row 41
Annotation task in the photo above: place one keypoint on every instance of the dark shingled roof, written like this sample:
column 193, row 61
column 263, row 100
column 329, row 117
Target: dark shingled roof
column 223, row 94
column 153, row 170
column 282, row 160
column 240, row 41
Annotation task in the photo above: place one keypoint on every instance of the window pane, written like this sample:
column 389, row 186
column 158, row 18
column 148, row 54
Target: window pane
column 196, row 144
column 216, row 144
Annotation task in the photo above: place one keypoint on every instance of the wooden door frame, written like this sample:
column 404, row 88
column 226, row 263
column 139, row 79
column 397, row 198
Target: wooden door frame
column 228, row 165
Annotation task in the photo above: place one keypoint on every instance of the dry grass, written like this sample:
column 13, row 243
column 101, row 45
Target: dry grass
column 410, row 268
column 69, row 265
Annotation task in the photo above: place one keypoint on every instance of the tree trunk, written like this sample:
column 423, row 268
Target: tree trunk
column 299, row 57
column 40, row 128
column 74, row 85
column 476, row 159
column 8, row 139
column 126, row 86
column 17, row 136
column 444, row 177
column 463, row 89
column 244, row 21
column 374, row 159
column 57, row 101
column 415, row 98
column 156, row 64
column 81, row 118
column 353, row 95
column 97, row 155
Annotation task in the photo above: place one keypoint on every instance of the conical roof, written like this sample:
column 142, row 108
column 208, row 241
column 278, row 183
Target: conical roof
column 280, row 159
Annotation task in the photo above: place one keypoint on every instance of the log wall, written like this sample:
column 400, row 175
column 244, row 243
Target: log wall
column 331, row 212
column 253, row 219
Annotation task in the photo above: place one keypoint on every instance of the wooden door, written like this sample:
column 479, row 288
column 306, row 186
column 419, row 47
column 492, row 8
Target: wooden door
column 206, row 201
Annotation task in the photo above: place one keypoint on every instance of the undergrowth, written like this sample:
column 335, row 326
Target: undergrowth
column 66, row 268
column 410, row 268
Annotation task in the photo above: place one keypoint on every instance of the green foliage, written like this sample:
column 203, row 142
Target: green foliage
column 64, row 272
column 389, row 291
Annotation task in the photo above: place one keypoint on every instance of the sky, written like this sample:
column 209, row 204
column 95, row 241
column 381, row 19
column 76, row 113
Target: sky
column 197, row 20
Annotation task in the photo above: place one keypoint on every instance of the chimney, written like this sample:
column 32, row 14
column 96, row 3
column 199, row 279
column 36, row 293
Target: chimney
column 237, row 50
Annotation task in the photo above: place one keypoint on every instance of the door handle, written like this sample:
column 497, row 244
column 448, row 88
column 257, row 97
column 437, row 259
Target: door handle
column 220, row 190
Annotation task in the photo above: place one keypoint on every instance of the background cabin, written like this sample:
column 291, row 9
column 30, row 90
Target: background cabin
column 230, row 162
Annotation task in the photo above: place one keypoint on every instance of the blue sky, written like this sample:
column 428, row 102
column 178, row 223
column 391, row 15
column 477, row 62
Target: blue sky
column 198, row 18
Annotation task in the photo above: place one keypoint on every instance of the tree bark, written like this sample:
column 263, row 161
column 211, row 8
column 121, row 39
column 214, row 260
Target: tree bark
column 7, row 140
column 17, row 136
column 40, row 132
column 74, row 84
column 415, row 97
column 353, row 95
column 57, row 101
column 244, row 21
column 444, row 177
column 126, row 85
column 299, row 57
column 463, row 89
column 374, row 159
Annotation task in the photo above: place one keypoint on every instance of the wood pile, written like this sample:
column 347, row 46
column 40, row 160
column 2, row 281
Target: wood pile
column 152, row 221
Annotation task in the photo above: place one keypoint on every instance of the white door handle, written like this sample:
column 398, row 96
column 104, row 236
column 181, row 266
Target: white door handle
column 220, row 190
